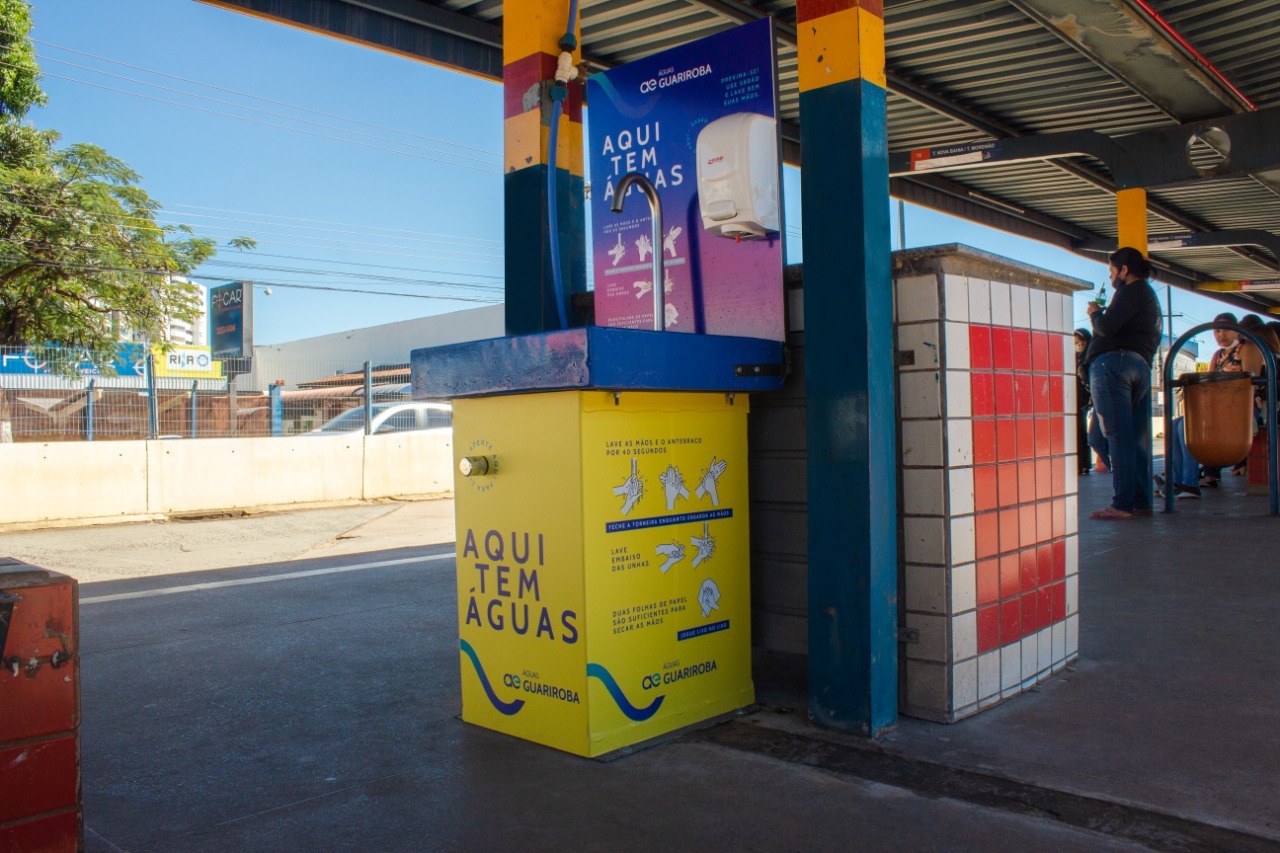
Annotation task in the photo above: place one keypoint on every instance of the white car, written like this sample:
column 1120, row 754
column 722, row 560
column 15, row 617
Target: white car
column 391, row 417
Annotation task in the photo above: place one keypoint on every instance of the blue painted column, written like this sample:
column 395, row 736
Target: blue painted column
column 849, row 384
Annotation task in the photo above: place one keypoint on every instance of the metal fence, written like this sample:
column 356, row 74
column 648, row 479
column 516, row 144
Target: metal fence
column 49, row 394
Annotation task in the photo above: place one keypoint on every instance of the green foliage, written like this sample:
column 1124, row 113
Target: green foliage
column 81, row 254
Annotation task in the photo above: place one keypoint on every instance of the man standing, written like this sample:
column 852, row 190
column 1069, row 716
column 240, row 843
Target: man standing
column 1125, row 336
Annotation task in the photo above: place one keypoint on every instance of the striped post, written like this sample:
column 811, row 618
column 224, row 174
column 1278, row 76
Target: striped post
column 848, row 310
column 531, row 32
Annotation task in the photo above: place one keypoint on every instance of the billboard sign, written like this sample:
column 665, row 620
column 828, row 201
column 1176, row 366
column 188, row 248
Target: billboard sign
column 187, row 362
column 130, row 360
column 231, row 320
column 700, row 122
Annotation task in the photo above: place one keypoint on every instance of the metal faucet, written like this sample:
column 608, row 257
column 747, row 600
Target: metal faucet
column 655, row 211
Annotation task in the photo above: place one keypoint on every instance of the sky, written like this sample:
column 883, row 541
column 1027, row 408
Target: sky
column 352, row 168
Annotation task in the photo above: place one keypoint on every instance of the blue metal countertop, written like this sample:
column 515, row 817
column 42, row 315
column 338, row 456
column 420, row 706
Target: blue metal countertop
column 600, row 358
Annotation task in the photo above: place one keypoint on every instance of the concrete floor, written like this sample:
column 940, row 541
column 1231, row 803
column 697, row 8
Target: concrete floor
column 318, row 711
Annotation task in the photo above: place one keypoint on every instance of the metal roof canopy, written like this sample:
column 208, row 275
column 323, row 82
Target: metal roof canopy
column 962, row 71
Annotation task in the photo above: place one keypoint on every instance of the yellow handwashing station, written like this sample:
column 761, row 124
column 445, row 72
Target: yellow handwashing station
column 602, row 529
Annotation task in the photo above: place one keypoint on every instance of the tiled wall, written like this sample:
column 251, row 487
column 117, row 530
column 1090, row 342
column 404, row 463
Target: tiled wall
column 987, row 406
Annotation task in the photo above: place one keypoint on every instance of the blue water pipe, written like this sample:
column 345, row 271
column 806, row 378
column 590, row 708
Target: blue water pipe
column 559, row 92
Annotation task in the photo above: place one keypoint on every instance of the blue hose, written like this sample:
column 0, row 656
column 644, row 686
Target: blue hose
column 558, row 93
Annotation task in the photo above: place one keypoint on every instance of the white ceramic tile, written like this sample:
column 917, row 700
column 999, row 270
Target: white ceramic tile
column 964, row 636
column 1044, row 643
column 959, row 442
column 964, row 593
column 932, row 634
column 922, row 443
column 1073, row 513
column 957, row 346
column 960, row 491
column 1073, row 555
column 927, row 685
column 1053, row 312
column 964, row 684
column 1068, row 314
column 1059, row 634
column 1072, row 480
column 924, row 541
column 989, row 674
column 1069, row 438
column 919, row 395
column 1069, row 390
column 795, row 312
column 959, row 394
column 962, row 540
column 923, row 341
column 1039, row 310
column 955, row 298
column 1073, row 595
column 926, row 589
column 1073, row 635
column 999, row 303
column 1020, row 306
column 1010, row 668
column 923, row 491
column 1069, row 355
column 917, row 298
column 1030, row 656
column 979, row 300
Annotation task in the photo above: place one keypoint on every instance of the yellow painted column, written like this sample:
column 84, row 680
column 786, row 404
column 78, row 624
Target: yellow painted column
column 1131, row 218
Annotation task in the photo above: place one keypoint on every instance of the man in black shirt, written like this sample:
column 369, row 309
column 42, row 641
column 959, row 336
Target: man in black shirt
column 1126, row 335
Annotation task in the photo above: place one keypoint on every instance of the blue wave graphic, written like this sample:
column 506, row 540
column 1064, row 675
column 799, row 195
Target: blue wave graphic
column 639, row 715
column 507, row 708
column 621, row 104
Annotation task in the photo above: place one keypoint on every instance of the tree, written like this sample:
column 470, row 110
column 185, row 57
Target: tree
column 79, row 244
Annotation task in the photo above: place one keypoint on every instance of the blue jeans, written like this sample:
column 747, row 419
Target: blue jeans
column 1180, row 466
column 1097, row 441
column 1121, row 385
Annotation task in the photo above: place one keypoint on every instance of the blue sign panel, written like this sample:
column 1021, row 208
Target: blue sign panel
column 231, row 320
column 130, row 360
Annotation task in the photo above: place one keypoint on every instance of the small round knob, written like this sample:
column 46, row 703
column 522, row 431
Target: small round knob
column 474, row 466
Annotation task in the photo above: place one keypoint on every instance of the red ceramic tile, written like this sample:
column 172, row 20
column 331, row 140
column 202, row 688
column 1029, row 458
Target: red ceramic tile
column 980, row 347
column 1007, row 483
column 1040, row 351
column 1006, row 440
column 1044, row 478
column 986, row 495
column 988, row 628
column 1030, row 613
column 1024, row 395
column 1040, row 394
column 1044, row 519
column 1058, row 596
column 1010, row 621
column 1026, row 482
column 983, row 389
column 1044, row 565
column 1006, row 401
column 1027, row 525
column 1055, row 353
column 1028, row 573
column 1056, row 399
column 987, row 535
column 984, row 442
column 1026, row 438
column 1057, row 436
column 1022, row 350
column 1058, row 470
column 1059, row 551
column 1010, row 577
column 1059, row 517
column 1044, row 438
column 1002, row 348
column 1044, row 607
column 1008, row 530
column 988, row 577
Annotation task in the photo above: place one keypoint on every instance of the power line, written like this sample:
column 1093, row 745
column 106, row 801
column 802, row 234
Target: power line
column 264, row 100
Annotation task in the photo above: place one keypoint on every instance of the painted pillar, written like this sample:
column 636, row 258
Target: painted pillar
column 531, row 35
column 1131, row 218
column 848, row 310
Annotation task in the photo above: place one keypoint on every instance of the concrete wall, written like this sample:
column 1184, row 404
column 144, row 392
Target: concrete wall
column 127, row 480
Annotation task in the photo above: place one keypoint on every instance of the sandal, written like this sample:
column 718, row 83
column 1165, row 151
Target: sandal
column 1110, row 513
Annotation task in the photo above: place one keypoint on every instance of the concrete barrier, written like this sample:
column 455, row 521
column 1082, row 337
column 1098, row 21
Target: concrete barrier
column 67, row 483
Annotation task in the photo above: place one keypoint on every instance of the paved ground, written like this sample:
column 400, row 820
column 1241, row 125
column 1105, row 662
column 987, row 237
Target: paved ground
column 310, row 703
